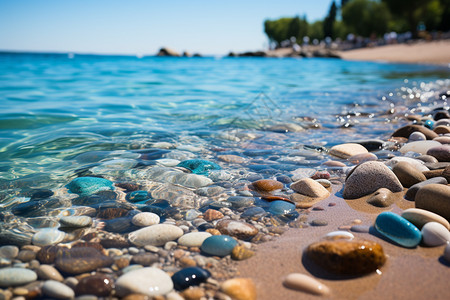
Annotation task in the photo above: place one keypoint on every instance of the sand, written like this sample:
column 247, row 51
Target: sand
column 419, row 273
column 435, row 52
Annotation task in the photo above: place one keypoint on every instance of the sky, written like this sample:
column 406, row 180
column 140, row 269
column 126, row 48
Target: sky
column 142, row 27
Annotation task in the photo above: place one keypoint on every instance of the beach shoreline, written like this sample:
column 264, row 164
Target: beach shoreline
column 433, row 52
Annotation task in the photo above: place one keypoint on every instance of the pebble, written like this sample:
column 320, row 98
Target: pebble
column 9, row 252
column 144, row 259
column 267, row 185
column 417, row 163
column 398, row 229
column 239, row 288
column 16, row 276
column 408, row 174
column 230, row 158
column 218, row 245
column 57, row 290
column 147, row 281
column 349, row 257
column 441, row 153
column 144, row 219
column 212, row 214
column 238, row 229
column 85, row 186
column 435, row 234
column 406, row 131
column 240, row 201
column 427, row 159
column 412, row 191
column 434, row 198
column 99, row 285
column 441, row 129
column 319, row 222
column 416, row 136
column 347, row 150
column 309, row 187
column 188, row 277
column 193, row 239
column 445, row 140
column 199, row 166
column 241, row 252
column 305, row 283
column 26, row 255
column 280, row 207
column 48, row 236
column 48, row 272
column 334, row 235
column 75, row 221
column 420, row 217
column 381, row 198
column 155, row 235
column 367, row 178
column 81, row 260
column 419, row 147
column 360, row 158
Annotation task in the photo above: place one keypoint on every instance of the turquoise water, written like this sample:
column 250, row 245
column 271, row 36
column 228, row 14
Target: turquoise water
column 54, row 108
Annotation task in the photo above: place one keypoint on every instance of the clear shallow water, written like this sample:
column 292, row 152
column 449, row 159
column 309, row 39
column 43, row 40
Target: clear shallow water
column 53, row 108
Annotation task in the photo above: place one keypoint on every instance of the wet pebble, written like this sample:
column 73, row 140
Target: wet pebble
column 238, row 229
column 9, row 252
column 381, row 198
column 193, row 239
column 239, row 288
column 419, row 147
column 188, row 277
column 145, row 259
column 347, row 150
column 81, row 260
column 309, row 187
column 75, row 221
column 420, row 217
column 305, row 283
column 281, row 207
column 145, row 219
column 48, row 272
column 416, row 136
column 218, row 245
column 360, row 158
column 199, row 166
column 349, row 257
column 26, row 255
column 156, row 235
column 267, row 185
column 16, row 276
column 241, row 252
column 412, row 191
column 435, row 234
column 434, row 198
column 146, row 281
column 406, row 131
column 230, row 158
column 57, row 290
column 84, row 186
column 319, row 222
column 48, row 236
column 398, row 229
column 99, row 285
column 339, row 235
column 212, row 214
column 367, row 178
column 239, row 201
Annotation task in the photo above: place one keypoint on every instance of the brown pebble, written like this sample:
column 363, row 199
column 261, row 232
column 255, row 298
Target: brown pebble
column 381, row 198
column 212, row 214
column 178, row 253
column 349, row 257
column 318, row 208
column 213, row 231
column 241, row 253
column 47, row 254
column 137, row 297
column 331, row 204
column 122, row 262
column 99, row 285
column 240, row 288
column 267, row 185
column 406, row 131
column 26, row 255
column 186, row 261
column 193, row 293
column 145, row 259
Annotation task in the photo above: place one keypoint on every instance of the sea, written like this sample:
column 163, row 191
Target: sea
column 66, row 116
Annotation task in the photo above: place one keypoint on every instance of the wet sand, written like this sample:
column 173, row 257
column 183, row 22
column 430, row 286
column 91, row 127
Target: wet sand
column 419, row 273
column 436, row 52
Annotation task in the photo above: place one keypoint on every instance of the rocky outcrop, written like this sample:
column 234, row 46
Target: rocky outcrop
column 167, row 52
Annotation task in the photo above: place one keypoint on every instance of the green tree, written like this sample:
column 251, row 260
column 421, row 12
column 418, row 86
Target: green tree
column 285, row 28
column 366, row 17
column 328, row 23
column 445, row 16
column 414, row 12
column 315, row 30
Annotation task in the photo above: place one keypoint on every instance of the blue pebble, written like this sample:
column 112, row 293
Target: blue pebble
column 429, row 124
column 138, row 196
column 398, row 229
column 281, row 207
column 199, row 166
column 218, row 245
column 85, row 186
column 189, row 277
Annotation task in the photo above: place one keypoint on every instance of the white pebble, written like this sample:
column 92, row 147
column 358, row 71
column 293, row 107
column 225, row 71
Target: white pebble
column 305, row 283
column 435, row 234
column 145, row 219
column 339, row 234
column 58, row 290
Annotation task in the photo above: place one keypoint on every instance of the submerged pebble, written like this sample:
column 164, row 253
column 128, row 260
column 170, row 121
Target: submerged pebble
column 218, row 245
column 84, row 186
column 16, row 276
column 155, row 235
column 199, row 166
column 146, row 281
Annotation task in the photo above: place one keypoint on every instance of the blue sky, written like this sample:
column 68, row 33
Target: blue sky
column 144, row 26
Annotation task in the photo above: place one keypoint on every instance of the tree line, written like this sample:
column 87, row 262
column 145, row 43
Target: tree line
column 366, row 18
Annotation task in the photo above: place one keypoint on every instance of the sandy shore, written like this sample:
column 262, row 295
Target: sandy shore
column 436, row 52
column 419, row 273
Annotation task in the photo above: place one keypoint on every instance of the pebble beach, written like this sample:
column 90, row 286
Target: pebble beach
column 273, row 212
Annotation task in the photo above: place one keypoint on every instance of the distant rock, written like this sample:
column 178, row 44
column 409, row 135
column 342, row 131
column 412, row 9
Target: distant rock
column 253, row 54
column 167, row 52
